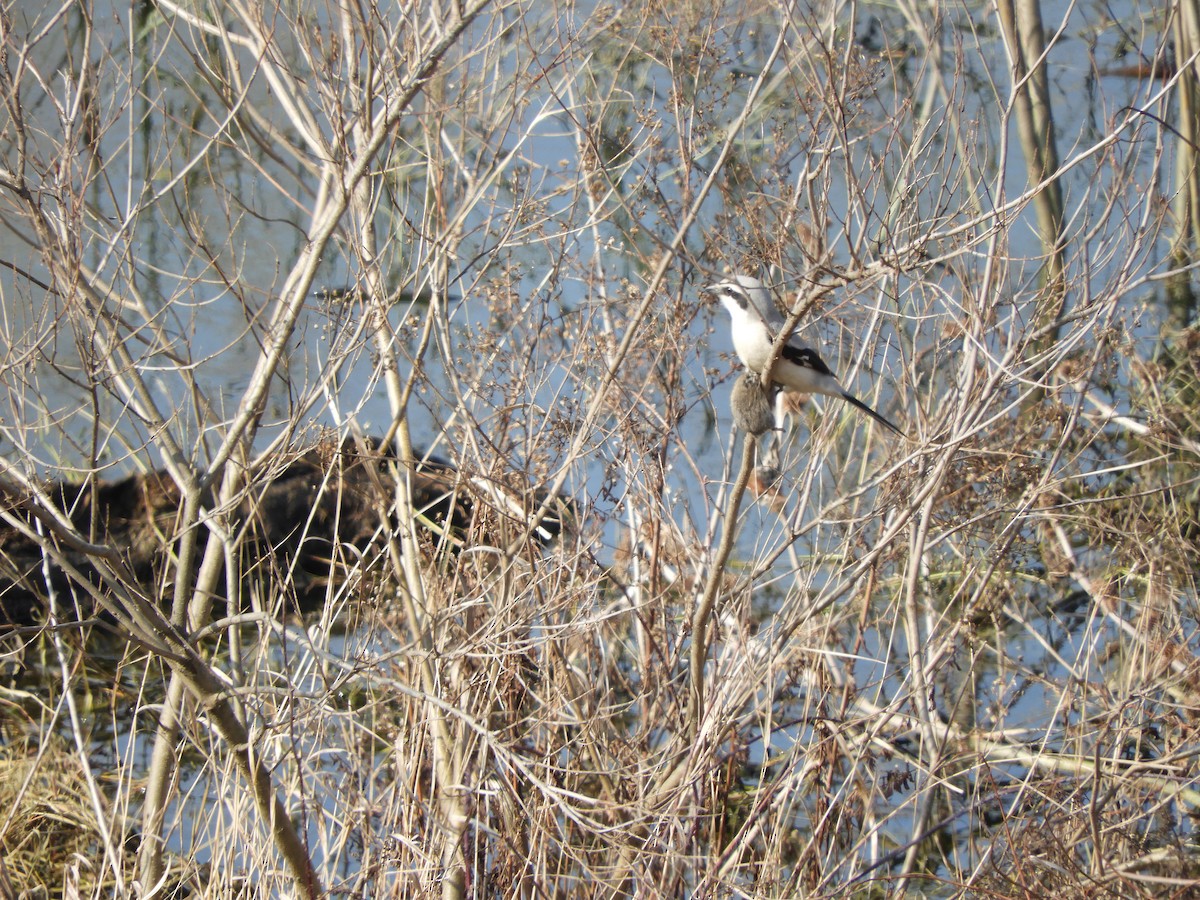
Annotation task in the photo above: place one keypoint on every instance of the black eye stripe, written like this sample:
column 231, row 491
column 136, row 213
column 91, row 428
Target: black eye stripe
column 739, row 295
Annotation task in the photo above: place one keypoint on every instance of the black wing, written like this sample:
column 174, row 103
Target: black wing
column 806, row 357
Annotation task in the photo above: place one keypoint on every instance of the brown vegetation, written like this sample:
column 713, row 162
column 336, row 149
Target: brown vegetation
column 962, row 662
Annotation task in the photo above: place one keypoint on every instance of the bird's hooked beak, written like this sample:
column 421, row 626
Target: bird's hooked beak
column 715, row 295
column 727, row 295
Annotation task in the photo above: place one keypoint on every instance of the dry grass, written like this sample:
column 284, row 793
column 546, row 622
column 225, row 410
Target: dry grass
column 963, row 663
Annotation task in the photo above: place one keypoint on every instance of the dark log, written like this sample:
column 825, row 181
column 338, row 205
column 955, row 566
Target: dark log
column 298, row 518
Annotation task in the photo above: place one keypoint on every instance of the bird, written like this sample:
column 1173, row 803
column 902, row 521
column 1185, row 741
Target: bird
column 756, row 322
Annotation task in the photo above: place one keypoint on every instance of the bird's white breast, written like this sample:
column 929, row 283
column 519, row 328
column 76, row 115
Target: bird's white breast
column 752, row 343
column 751, row 336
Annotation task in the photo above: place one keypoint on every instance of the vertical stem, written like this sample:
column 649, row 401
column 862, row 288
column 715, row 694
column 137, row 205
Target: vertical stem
column 1021, row 21
column 1187, row 160
column 159, row 781
column 704, row 607
column 919, row 656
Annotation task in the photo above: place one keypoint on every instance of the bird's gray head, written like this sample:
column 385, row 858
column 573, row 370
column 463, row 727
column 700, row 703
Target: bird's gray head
column 745, row 294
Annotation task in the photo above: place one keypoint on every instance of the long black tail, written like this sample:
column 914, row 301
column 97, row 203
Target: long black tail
column 854, row 401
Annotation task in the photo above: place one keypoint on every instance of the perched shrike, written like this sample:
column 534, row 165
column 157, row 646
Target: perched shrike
column 756, row 323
